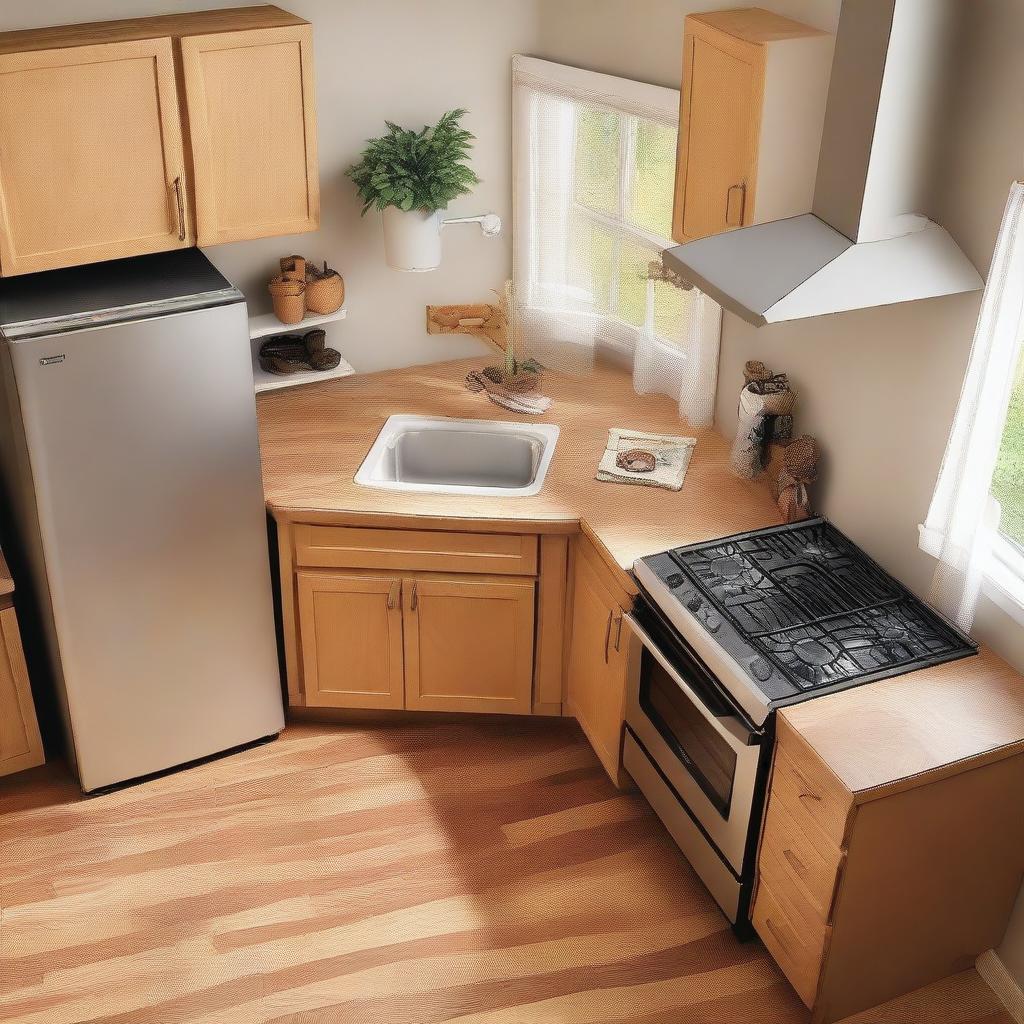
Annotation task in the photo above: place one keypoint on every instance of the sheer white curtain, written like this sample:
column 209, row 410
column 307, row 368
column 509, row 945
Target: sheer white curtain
column 963, row 520
column 594, row 160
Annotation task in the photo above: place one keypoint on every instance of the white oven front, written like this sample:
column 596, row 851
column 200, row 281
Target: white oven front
column 701, row 745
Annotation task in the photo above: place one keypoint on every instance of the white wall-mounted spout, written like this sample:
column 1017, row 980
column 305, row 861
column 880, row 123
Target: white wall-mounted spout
column 490, row 223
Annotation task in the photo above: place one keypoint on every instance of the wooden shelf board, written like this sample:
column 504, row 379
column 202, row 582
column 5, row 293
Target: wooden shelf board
column 266, row 325
column 274, row 382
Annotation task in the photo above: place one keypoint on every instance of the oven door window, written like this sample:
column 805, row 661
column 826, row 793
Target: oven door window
column 705, row 755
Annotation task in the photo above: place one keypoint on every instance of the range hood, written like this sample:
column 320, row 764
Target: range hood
column 864, row 243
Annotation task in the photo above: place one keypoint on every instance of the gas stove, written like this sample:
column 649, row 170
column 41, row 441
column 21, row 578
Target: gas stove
column 789, row 612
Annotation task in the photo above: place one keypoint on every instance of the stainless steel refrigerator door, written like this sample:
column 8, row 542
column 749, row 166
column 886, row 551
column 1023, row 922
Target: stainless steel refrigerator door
column 145, row 462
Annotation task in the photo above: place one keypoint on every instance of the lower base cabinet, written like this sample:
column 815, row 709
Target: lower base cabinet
column 599, row 660
column 468, row 644
column 20, row 744
column 351, row 640
column 424, row 642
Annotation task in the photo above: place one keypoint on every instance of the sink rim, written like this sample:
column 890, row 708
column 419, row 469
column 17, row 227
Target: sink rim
column 546, row 434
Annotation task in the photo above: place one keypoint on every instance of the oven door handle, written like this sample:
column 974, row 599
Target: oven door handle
column 732, row 730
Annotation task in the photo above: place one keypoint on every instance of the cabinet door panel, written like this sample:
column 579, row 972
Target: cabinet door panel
column 468, row 645
column 351, row 629
column 721, row 116
column 90, row 151
column 20, row 745
column 252, row 122
column 597, row 669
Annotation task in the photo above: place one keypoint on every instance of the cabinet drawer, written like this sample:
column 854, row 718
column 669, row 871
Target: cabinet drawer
column 351, row 547
column 797, row 854
column 810, row 792
column 797, row 945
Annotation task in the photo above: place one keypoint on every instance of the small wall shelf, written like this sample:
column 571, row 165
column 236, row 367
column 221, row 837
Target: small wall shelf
column 273, row 382
column 266, row 326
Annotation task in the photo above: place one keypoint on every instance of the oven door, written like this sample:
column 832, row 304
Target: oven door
column 699, row 741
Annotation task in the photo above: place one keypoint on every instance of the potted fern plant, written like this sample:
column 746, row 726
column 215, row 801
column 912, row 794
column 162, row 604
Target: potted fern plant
column 411, row 176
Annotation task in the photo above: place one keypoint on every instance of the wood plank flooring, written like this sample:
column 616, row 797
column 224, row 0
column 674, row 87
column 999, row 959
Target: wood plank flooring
column 402, row 874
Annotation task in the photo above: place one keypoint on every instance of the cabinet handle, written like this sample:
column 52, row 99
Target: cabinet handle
column 732, row 219
column 618, row 630
column 778, row 935
column 607, row 635
column 393, row 593
column 794, row 862
column 414, row 600
column 181, row 209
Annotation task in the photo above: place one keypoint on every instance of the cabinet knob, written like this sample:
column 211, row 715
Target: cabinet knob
column 393, row 594
column 414, row 599
column 607, row 635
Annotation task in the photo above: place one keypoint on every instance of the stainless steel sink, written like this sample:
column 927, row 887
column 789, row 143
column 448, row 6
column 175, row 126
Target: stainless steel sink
column 451, row 456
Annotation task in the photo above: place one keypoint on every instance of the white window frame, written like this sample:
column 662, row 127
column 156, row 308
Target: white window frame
column 632, row 101
column 1004, row 578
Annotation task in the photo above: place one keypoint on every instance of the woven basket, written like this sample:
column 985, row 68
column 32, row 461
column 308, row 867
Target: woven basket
column 293, row 268
column 289, row 299
column 325, row 290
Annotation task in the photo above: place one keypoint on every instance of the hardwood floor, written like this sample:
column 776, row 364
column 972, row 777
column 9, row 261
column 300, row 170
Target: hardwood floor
column 398, row 874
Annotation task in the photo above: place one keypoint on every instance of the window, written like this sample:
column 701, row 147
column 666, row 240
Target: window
column 975, row 524
column 594, row 178
column 1008, row 479
column 621, row 219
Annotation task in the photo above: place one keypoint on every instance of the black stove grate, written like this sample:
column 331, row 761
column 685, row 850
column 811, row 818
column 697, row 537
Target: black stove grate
column 815, row 607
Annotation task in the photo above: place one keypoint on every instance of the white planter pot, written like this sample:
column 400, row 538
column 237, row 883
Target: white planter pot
column 412, row 239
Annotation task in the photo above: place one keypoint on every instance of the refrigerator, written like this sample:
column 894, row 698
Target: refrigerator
column 134, row 507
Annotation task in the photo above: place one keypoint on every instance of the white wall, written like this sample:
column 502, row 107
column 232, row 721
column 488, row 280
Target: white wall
column 407, row 61
column 878, row 387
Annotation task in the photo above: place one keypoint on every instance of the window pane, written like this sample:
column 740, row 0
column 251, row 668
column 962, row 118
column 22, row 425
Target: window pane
column 650, row 202
column 633, row 260
column 597, row 160
column 1008, row 481
column 671, row 310
column 590, row 269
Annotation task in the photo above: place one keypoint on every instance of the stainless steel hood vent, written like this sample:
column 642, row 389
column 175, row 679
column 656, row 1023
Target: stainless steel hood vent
column 864, row 243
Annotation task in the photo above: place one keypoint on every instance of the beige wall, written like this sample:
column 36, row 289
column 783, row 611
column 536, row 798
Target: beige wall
column 879, row 386
column 407, row 61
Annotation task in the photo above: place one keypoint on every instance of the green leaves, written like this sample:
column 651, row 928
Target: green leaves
column 422, row 170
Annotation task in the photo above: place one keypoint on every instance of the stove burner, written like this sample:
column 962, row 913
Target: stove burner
column 815, row 652
column 810, row 607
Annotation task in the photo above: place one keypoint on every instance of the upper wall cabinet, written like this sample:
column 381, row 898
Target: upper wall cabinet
column 252, row 118
column 129, row 137
column 751, row 112
column 91, row 164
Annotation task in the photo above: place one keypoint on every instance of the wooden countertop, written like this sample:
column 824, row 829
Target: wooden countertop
column 874, row 737
column 882, row 736
column 314, row 438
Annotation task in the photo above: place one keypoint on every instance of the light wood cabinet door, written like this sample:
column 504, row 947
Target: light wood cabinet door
column 20, row 745
column 718, row 132
column 351, row 628
column 596, row 679
column 252, row 123
column 468, row 644
column 90, row 155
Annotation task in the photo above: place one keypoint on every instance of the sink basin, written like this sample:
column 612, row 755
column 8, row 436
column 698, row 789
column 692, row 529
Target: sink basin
column 449, row 456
